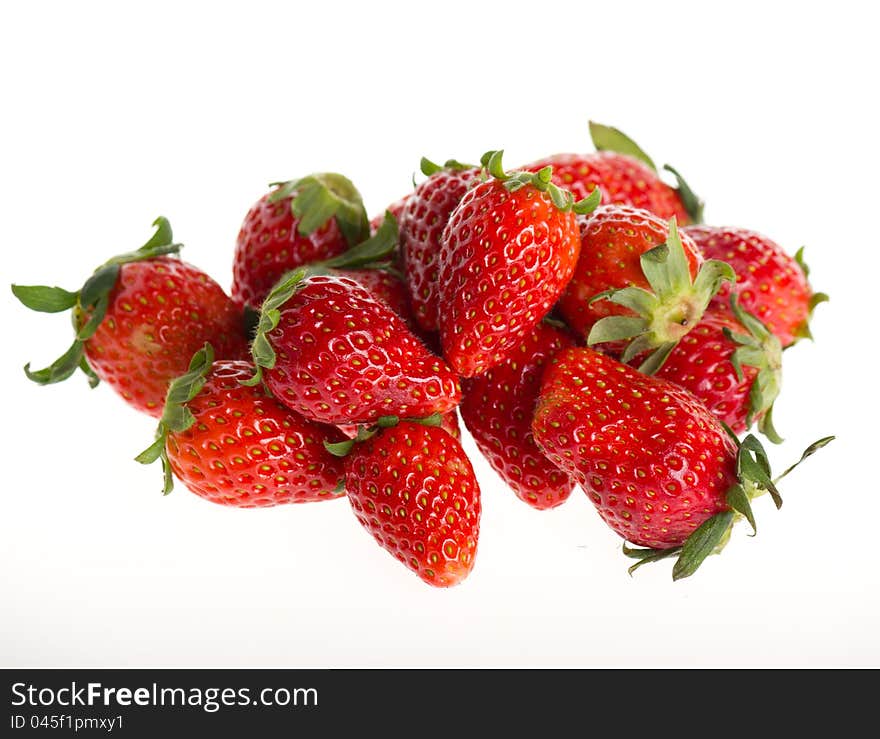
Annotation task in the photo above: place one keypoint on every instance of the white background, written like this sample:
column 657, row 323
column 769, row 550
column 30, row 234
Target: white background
column 112, row 116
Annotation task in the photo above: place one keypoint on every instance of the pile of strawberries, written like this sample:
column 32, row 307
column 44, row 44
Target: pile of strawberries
column 587, row 329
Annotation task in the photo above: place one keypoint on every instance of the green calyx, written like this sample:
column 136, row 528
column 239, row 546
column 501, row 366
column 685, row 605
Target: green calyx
column 262, row 352
column 90, row 302
column 665, row 313
column 365, row 432
column 176, row 417
column 803, row 331
column 540, row 180
column 373, row 253
column 317, row 198
column 760, row 349
column 608, row 138
column 753, row 480
column 429, row 168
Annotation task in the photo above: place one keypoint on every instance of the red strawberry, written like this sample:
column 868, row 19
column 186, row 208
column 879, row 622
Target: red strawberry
column 335, row 354
column 637, row 279
column 624, row 174
column 733, row 364
column 299, row 222
column 139, row 318
column 422, row 222
column 237, row 446
column 413, row 488
column 384, row 286
column 497, row 408
column 661, row 469
column 770, row 284
column 507, row 252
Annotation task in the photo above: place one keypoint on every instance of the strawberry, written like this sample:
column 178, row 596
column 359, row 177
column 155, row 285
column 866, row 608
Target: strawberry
column 236, row 445
column 138, row 319
column 299, row 222
column 624, row 174
column 733, row 364
column 413, row 488
column 422, row 221
column 497, row 408
column 771, row 284
column 386, row 287
column 507, row 252
column 663, row 472
column 331, row 351
column 638, row 280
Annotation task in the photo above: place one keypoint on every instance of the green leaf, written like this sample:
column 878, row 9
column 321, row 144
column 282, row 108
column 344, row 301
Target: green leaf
column 60, row 369
column 387, row 422
column 701, row 544
column 755, row 470
column 808, row 452
column 692, row 203
column 562, row 199
column 637, row 553
column 608, row 138
column 615, row 328
column 84, row 365
column 766, row 427
column 435, row 419
column 638, row 300
column 588, row 204
column 44, row 299
column 163, row 236
column 657, row 358
column 756, row 328
column 325, row 195
column 373, row 250
column 739, row 501
column 666, row 266
column 339, row 448
column 158, row 450
column 176, row 416
column 99, row 310
column 655, row 556
column 638, row 346
column 152, row 452
column 262, row 351
column 428, row 167
column 712, row 273
column 654, row 267
column 458, row 166
column 99, row 285
column 816, row 299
